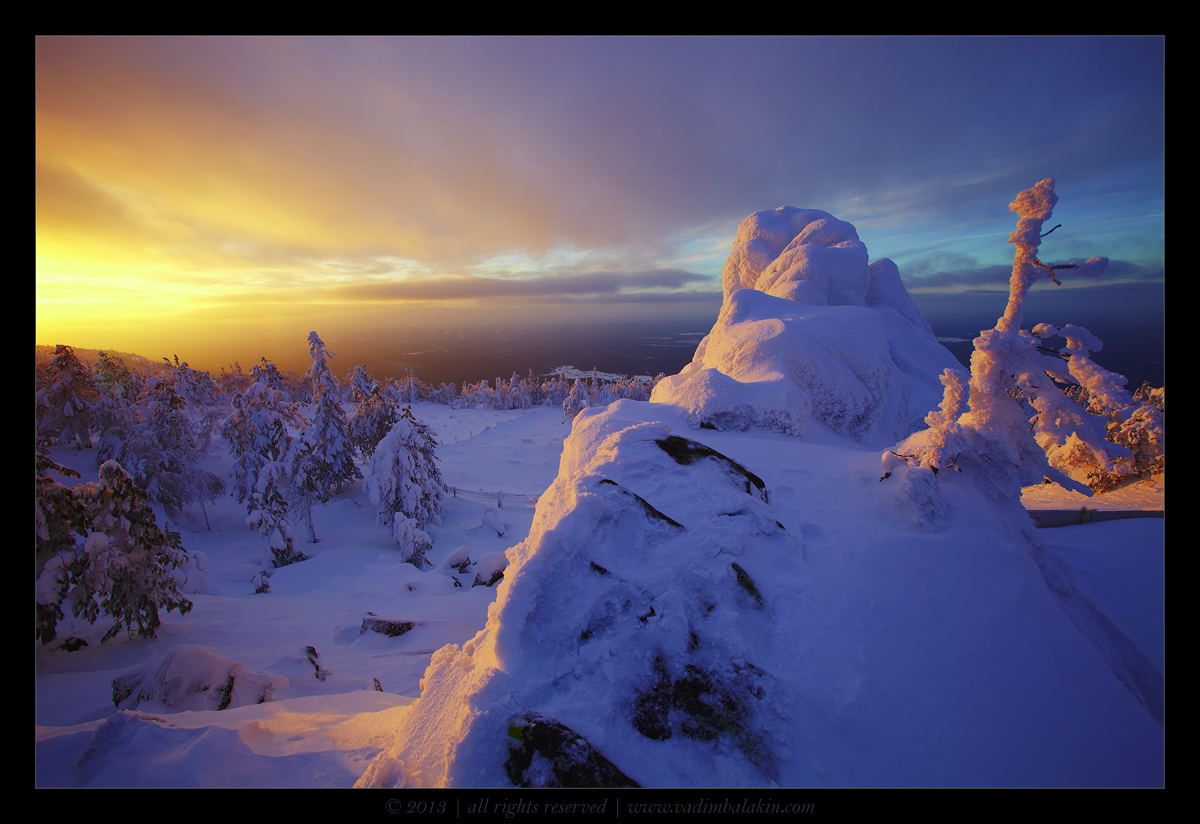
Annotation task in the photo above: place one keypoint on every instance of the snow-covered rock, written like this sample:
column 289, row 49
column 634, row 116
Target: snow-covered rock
column 192, row 677
column 631, row 618
column 810, row 331
column 674, row 620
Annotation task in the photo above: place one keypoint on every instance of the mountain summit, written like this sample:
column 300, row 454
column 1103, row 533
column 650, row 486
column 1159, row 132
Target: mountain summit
column 809, row 331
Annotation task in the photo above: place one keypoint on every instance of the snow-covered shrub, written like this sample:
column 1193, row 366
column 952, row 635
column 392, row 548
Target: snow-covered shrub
column 493, row 523
column 404, row 477
column 414, row 543
column 986, row 426
column 1139, row 427
column 103, row 553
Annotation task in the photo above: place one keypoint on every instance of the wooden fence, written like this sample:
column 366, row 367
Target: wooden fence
column 500, row 499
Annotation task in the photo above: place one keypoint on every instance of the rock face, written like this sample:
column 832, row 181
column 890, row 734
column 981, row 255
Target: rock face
column 631, row 624
column 811, row 331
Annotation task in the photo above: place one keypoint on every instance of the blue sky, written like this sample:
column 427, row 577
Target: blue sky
column 217, row 193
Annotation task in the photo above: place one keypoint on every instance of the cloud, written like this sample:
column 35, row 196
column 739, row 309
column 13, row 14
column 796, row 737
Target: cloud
column 1118, row 275
column 450, row 148
column 241, row 177
column 588, row 284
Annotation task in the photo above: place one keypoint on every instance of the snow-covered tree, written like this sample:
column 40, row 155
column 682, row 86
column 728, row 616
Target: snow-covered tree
column 233, row 382
column 982, row 428
column 324, row 462
column 375, row 412
column 158, row 446
column 260, row 433
column 578, row 400
column 404, row 481
column 113, row 378
column 204, row 399
column 103, row 552
column 64, row 400
column 414, row 543
column 198, row 389
column 408, row 388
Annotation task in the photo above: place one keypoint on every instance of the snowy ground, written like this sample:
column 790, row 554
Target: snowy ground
column 322, row 733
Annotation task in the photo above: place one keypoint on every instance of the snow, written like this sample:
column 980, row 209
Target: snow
column 809, row 331
column 716, row 589
column 908, row 641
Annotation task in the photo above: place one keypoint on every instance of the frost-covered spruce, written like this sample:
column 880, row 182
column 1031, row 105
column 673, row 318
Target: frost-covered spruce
column 404, row 477
column 375, row 412
column 64, row 400
column 324, row 462
column 578, row 400
column 158, row 445
column 261, row 435
column 109, row 555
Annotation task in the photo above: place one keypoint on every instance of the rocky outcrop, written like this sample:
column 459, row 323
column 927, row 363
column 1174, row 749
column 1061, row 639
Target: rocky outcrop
column 810, row 331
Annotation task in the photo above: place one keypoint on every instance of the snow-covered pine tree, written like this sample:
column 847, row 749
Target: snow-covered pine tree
column 408, row 388
column 375, row 412
column 233, row 382
column 157, row 443
column 531, row 392
column 414, row 543
column 555, row 391
column 578, row 400
column 103, row 553
column 324, row 463
column 114, row 379
column 206, row 404
column 260, row 433
column 64, row 399
column 981, row 427
column 404, row 481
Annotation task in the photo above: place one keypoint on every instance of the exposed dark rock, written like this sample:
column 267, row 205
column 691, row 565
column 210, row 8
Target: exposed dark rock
column 687, row 452
column 498, row 575
column 704, row 705
column 392, row 629
column 650, row 511
column 321, row 673
column 747, row 583
column 548, row 754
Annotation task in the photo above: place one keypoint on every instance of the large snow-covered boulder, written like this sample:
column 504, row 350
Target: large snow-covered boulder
column 707, row 609
column 630, row 621
column 192, row 677
column 811, row 331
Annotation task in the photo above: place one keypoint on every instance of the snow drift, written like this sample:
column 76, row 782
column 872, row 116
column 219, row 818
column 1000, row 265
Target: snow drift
column 809, row 331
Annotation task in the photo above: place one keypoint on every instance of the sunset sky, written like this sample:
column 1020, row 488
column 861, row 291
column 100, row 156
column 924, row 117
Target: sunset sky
column 220, row 197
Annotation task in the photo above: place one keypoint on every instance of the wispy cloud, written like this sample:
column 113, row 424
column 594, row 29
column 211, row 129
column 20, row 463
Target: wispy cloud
column 223, row 171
